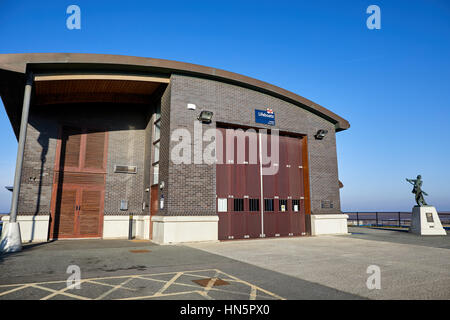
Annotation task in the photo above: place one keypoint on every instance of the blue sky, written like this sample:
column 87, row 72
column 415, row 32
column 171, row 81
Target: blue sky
column 393, row 84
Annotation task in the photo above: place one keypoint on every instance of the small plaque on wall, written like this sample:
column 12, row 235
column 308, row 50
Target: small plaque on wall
column 327, row 204
column 125, row 169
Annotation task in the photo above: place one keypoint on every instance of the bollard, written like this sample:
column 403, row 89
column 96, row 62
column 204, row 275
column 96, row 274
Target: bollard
column 130, row 227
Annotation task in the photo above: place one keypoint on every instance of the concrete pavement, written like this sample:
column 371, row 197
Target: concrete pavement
column 142, row 270
column 325, row 267
column 411, row 267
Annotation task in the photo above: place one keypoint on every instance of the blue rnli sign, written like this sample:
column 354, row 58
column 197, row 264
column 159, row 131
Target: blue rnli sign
column 265, row 116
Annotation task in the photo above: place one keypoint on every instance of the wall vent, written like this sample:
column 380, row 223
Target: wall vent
column 125, row 169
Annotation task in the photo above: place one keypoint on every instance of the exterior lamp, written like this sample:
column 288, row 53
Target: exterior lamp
column 205, row 116
column 320, row 134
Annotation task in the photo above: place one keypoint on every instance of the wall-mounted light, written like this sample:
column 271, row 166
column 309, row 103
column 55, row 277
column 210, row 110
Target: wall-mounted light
column 320, row 134
column 191, row 106
column 205, row 116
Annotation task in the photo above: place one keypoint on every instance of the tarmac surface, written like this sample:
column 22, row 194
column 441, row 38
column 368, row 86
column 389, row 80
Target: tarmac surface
column 325, row 267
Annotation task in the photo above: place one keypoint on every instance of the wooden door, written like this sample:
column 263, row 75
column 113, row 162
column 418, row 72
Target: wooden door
column 65, row 221
column 89, row 210
column 154, row 205
column 79, row 183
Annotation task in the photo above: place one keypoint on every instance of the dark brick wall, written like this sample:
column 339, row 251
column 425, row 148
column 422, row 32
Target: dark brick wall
column 147, row 161
column 164, row 147
column 126, row 147
column 39, row 160
column 192, row 187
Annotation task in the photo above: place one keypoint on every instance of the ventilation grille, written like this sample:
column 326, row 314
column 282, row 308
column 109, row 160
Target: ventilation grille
column 125, row 169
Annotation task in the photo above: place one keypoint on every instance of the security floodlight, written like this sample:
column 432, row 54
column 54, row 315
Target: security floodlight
column 321, row 134
column 205, row 116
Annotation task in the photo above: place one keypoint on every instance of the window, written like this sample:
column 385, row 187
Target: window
column 156, row 152
column 296, row 205
column 157, row 130
column 238, row 204
column 282, row 205
column 156, row 174
column 156, row 144
column 253, row 204
column 268, row 204
column 222, row 205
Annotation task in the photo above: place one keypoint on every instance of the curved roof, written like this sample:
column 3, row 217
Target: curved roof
column 14, row 66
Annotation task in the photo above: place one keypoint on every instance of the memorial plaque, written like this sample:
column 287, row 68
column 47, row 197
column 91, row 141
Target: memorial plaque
column 327, row 204
column 429, row 217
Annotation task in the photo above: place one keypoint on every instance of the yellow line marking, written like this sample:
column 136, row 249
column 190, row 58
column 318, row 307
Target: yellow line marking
column 101, row 278
column 167, row 285
column 108, row 285
column 127, row 278
column 204, row 294
column 196, row 286
column 249, row 284
column 55, row 293
column 13, row 290
column 253, row 293
column 211, row 282
column 61, row 291
column 114, row 289
column 160, row 295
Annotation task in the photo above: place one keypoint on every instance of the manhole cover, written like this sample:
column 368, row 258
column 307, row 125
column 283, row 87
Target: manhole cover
column 140, row 251
column 204, row 282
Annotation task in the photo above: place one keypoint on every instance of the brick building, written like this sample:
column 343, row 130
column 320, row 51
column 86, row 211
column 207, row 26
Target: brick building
column 103, row 132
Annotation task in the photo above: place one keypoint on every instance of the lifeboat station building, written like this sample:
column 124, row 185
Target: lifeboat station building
column 120, row 147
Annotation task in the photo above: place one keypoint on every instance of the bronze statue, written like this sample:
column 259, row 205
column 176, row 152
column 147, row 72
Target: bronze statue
column 417, row 190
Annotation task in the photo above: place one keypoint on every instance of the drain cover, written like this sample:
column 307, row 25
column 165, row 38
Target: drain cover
column 204, row 282
column 140, row 251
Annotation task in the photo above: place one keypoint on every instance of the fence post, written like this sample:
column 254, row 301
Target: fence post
column 376, row 218
column 357, row 219
column 399, row 221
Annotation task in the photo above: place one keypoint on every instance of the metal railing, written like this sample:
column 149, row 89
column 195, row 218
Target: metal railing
column 387, row 218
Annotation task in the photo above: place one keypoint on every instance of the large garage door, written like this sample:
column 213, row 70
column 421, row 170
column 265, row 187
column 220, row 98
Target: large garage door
column 247, row 209
column 79, row 183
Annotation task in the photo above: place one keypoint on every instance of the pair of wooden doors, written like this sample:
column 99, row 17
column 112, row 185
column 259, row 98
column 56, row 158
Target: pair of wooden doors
column 79, row 183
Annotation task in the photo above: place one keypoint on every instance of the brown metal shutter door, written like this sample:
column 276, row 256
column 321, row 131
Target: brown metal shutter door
column 269, row 188
column 297, row 219
column 253, row 190
column 238, row 219
column 223, row 179
column 282, row 178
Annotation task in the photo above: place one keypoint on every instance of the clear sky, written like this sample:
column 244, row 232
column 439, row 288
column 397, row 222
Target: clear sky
column 392, row 84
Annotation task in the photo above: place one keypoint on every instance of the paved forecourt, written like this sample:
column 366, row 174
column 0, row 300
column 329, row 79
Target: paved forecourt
column 412, row 267
column 122, row 269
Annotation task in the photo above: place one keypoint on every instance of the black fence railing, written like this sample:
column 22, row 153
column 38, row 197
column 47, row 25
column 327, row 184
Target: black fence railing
column 388, row 218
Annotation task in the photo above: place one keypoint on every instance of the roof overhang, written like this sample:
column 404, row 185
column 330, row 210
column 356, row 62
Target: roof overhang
column 56, row 66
